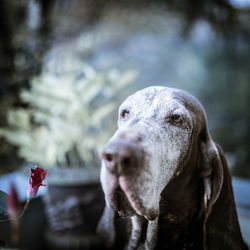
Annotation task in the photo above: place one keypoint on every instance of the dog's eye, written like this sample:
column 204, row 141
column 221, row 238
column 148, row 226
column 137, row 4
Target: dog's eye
column 176, row 118
column 124, row 113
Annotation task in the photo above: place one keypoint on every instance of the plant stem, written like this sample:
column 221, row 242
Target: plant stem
column 25, row 207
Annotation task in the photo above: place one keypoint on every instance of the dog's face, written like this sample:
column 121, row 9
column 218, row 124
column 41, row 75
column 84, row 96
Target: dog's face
column 155, row 129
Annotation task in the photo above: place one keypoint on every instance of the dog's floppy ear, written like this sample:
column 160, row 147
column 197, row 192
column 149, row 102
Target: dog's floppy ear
column 211, row 172
column 106, row 227
column 220, row 222
column 212, row 178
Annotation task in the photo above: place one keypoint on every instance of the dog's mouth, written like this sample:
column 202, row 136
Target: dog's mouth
column 120, row 203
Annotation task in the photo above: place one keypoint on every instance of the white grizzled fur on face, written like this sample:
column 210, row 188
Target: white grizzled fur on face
column 164, row 144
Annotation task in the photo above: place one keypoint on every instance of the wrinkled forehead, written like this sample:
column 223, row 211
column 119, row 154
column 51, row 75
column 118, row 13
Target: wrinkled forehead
column 155, row 100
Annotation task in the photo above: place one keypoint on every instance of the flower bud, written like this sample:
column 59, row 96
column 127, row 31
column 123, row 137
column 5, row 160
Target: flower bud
column 37, row 175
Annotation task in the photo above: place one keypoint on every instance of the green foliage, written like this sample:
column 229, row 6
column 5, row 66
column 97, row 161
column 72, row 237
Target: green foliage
column 64, row 124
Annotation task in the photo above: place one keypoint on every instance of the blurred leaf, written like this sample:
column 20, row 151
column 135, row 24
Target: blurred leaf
column 92, row 91
column 125, row 79
column 16, row 137
column 101, row 113
column 19, row 118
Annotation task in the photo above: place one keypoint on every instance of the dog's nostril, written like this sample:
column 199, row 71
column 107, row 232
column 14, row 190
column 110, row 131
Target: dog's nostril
column 108, row 157
column 126, row 161
column 109, row 161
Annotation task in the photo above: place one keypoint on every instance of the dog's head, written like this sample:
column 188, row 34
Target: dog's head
column 158, row 128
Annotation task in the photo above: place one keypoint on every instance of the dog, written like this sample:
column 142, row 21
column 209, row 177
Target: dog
column 162, row 172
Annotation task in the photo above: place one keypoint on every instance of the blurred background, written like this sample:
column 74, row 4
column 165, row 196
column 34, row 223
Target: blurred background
column 65, row 66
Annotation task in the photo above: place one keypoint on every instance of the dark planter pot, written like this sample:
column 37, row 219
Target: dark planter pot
column 73, row 212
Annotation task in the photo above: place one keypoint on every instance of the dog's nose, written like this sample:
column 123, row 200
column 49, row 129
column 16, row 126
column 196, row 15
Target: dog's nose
column 120, row 157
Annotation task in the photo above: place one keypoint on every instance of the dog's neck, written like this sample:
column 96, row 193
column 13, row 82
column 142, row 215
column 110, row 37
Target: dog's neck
column 180, row 218
column 180, row 209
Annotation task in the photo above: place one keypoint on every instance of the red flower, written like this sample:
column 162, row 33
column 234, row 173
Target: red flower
column 37, row 175
column 13, row 203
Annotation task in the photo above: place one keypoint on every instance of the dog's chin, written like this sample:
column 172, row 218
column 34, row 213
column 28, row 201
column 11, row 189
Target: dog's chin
column 135, row 201
column 121, row 201
column 122, row 196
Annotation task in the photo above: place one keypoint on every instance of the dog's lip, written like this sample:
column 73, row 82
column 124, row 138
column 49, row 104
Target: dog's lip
column 120, row 203
column 120, row 196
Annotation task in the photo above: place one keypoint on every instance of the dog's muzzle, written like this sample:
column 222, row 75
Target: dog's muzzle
column 122, row 161
column 122, row 157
